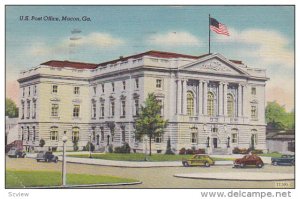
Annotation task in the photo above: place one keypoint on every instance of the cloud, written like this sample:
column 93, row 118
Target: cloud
column 64, row 46
column 174, row 39
column 269, row 46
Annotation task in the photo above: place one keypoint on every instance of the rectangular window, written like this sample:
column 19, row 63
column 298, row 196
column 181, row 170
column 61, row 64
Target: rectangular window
column 76, row 110
column 123, row 108
column 253, row 111
column 102, row 133
column 194, row 137
column 54, row 110
column 112, row 108
column 160, row 102
column 54, row 134
column 23, row 110
column 214, row 130
column 75, row 134
column 34, row 133
column 28, row 133
column 29, row 91
column 102, row 109
column 93, row 134
column 94, row 110
column 28, row 109
column 23, row 92
column 34, row 90
column 76, row 90
column 124, row 85
column 123, row 134
column 253, row 91
column 136, row 83
column 54, row 88
column 158, row 139
column 158, row 83
column 102, row 86
column 22, row 133
column 254, row 138
column 113, row 87
column 234, row 138
column 95, row 90
column 136, row 105
column 34, row 110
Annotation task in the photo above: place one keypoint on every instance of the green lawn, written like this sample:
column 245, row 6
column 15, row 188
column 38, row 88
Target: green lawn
column 272, row 155
column 139, row 157
column 23, row 179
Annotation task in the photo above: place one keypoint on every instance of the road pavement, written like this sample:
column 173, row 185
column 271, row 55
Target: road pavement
column 162, row 177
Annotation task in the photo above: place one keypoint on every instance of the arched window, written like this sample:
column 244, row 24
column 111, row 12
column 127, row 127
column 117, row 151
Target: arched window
column 75, row 134
column 230, row 105
column 190, row 103
column 210, row 104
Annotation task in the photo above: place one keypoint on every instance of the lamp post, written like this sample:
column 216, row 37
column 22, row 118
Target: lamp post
column 208, row 142
column 64, row 164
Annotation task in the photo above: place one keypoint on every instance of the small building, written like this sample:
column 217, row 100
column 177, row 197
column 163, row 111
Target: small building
column 282, row 141
column 11, row 131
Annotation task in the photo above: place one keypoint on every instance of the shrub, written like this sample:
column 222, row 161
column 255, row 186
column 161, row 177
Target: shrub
column 110, row 149
column 75, row 144
column 123, row 149
column 182, row 151
column 189, row 152
column 42, row 142
column 87, row 147
column 169, row 150
column 257, row 151
column 237, row 150
column 200, row 151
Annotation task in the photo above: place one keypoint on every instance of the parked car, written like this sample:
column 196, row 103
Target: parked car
column 198, row 160
column 284, row 160
column 248, row 160
column 16, row 153
column 46, row 156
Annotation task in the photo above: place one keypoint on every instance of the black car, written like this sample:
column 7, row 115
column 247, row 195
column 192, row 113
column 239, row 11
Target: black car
column 284, row 160
column 16, row 153
column 46, row 156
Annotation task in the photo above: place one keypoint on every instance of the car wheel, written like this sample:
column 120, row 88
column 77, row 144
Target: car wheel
column 17, row 156
column 292, row 163
column 38, row 160
column 242, row 165
column 186, row 164
column 56, row 160
column 207, row 164
column 259, row 165
column 275, row 163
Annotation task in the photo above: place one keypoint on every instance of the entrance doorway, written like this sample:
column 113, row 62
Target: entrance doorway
column 215, row 142
column 108, row 140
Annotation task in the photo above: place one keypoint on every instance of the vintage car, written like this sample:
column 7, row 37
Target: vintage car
column 248, row 160
column 284, row 160
column 46, row 156
column 16, row 153
column 198, row 160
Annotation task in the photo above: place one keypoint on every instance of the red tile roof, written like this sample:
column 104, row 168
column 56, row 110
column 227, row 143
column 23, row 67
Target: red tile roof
column 77, row 65
column 152, row 53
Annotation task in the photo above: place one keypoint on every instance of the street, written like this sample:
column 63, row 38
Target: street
column 157, row 177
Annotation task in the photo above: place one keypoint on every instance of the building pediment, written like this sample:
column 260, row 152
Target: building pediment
column 215, row 64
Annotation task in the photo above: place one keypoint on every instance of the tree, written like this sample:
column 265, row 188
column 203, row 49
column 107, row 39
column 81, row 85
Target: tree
column 278, row 118
column 11, row 109
column 42, row 142
column 149, row 121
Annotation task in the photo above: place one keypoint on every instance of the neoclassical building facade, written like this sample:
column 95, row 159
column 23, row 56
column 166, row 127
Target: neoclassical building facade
column 211, row 102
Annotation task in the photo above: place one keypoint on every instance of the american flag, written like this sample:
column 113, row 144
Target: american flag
column 218, row 27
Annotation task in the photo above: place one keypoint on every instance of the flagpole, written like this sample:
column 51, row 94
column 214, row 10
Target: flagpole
column 209, row 34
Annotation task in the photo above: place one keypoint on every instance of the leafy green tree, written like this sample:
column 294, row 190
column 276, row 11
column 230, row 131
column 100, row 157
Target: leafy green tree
column 11, row 109
column 277, row 117
column 149, row 121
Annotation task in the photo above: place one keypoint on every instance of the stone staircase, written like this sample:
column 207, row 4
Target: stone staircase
column 220, row 151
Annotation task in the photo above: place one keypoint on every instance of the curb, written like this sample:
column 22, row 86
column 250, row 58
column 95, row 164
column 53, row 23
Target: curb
column 203, row 178
column 85, row 185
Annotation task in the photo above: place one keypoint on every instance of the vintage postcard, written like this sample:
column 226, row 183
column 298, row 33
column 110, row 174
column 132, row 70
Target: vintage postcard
column 157, row 96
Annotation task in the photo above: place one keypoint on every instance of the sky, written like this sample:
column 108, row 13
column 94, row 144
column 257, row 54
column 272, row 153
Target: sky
column 261, row 36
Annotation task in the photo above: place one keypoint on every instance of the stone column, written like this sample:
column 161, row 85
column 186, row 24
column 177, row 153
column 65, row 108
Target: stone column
column 179, row 95
column 205, row 98
column 200, row 98
column 225, row 99
column 184, row 96
column 240, row 100
column 220, row 104
column 172, row 98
